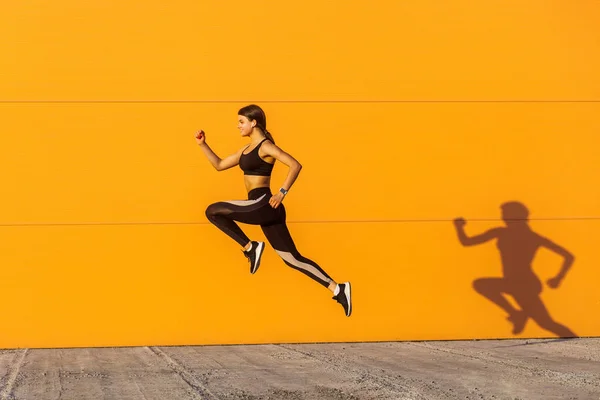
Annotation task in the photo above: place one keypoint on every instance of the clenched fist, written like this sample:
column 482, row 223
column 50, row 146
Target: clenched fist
column 200, row 137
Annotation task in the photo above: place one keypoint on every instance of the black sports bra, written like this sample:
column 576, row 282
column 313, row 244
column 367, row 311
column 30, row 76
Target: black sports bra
column 252, row 164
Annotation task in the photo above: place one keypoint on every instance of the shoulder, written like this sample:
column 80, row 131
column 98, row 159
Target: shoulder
column 267, row 142
column 268, row 147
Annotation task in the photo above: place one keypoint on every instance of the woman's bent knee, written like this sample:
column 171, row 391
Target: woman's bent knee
column 211, row 211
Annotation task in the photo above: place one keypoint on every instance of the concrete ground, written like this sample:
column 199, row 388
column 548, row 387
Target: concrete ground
column 506, row 369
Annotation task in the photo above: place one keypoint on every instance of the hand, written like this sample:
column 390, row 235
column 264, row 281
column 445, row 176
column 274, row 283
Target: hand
column 459, row 223
column 554, row 282
column 200, row 137
column 276, row 199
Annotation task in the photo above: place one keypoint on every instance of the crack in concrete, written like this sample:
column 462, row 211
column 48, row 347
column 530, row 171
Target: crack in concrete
column 13, row 373
column 198, row 387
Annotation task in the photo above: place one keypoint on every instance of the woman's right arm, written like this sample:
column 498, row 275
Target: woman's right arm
column 218, row 163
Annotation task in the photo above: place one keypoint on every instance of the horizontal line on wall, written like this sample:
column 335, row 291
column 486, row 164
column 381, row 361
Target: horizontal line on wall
column 281, row 101
column 373, row 221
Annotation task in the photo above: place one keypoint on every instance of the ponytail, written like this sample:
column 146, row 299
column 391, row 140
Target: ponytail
column 267, row 133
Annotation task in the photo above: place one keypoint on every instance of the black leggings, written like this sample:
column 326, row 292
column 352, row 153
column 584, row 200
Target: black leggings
column 257, row 211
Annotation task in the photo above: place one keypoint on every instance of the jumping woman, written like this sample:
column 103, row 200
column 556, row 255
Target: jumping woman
column 262, row 207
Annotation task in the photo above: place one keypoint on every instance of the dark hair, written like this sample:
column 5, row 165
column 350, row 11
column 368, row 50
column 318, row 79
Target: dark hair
column 255, row 113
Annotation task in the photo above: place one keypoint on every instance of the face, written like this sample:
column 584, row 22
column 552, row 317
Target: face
column 245, row 125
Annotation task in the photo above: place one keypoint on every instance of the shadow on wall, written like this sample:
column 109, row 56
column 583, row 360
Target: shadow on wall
column 518, row 245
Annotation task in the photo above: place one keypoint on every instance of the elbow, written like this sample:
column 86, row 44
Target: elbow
column 298, row 166
column 466, row 242
column 569, row 258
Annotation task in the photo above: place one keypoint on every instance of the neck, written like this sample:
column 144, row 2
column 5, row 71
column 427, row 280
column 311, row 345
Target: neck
column 257, row 136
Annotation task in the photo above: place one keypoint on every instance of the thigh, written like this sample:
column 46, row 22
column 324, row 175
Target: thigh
column 495, row 284
column 525, row 287
column 277, row 232
column 253, row 212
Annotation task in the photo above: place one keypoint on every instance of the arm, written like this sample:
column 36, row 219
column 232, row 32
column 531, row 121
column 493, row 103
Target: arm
column 218, row 163
column 294, row 166
column 221, row 164
column 465, row 240
column 568, row 261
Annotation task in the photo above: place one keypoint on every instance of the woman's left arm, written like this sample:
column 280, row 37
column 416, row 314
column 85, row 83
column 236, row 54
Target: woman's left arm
column 294, row 166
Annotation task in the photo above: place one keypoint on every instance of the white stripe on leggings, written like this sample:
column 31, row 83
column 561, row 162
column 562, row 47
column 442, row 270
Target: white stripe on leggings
column 244, row 202
column 302, row 265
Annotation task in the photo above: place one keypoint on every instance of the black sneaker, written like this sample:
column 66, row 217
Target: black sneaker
column 254, row 254
column 344, row 297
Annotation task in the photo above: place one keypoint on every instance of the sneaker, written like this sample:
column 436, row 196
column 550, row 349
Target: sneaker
column 254, row 254
column 344, row 297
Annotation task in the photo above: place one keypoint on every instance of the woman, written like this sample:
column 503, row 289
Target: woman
column 262, row 207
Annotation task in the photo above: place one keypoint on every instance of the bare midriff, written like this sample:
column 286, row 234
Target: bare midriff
column 256, row 181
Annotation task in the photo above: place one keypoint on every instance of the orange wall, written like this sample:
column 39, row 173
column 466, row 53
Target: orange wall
column 405, row 116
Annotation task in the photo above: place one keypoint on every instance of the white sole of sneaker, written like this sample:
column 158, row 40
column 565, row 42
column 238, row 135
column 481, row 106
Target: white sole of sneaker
column 347, row 292
column 259, row 250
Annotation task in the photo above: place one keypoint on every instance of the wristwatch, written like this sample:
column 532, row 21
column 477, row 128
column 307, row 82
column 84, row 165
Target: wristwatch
column 282, row 190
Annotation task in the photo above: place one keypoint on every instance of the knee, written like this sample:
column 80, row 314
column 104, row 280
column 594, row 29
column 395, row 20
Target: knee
column 211, row 211
column 481, row 285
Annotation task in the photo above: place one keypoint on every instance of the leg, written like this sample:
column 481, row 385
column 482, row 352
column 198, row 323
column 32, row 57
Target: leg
column 226, row 225
column 254, row 211
column 535, row 308
column 280, row 238
column 493, row 289
column 223, row 215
